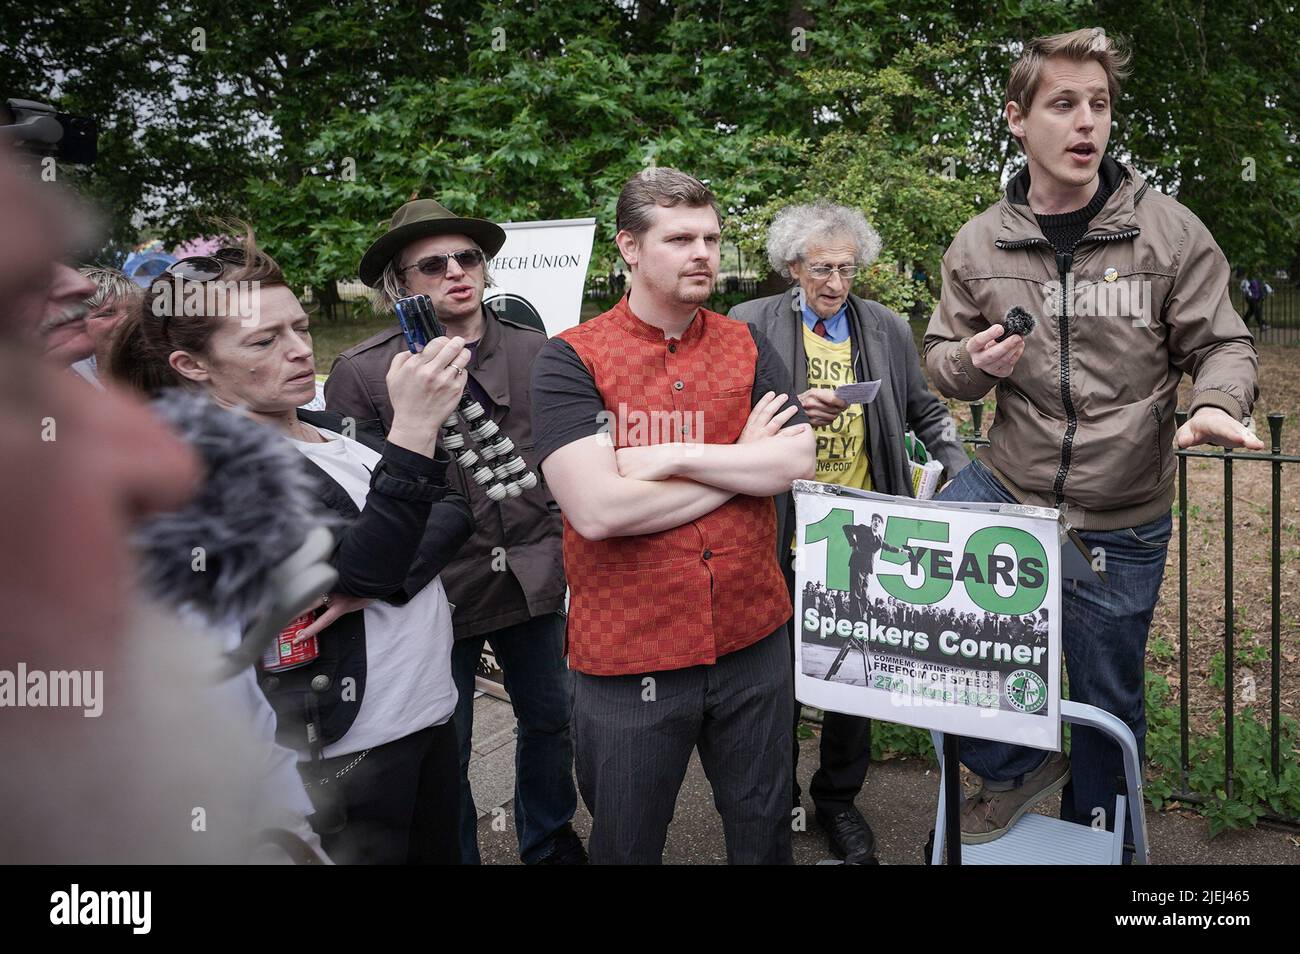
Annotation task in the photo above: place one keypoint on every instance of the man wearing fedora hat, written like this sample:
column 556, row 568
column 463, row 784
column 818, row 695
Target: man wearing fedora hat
column 507, row 583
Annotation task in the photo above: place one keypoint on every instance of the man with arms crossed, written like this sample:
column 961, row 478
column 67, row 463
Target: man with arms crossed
column 1085, row 402
column 678, row 607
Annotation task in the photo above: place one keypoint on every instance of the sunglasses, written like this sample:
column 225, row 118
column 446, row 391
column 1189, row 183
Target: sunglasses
column 434, row 266
column 192, row 268
column 206, row 268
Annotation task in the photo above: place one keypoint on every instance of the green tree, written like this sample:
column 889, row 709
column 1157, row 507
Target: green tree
column 537, row 109
column 912, row 192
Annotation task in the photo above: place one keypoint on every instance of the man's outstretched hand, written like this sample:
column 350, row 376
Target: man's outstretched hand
column 1212, row 425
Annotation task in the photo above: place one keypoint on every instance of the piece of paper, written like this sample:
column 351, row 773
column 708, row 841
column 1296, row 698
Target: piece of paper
column 863, row 393
column 925, row 478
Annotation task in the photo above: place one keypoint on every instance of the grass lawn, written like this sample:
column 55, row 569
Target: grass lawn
column 328, row 338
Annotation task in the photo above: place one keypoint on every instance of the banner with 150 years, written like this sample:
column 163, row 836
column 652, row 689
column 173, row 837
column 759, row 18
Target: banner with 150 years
column 939, row 615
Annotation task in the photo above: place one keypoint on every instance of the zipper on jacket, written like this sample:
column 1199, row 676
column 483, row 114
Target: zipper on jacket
column 1111, row 236
column 1160, row 457
column 1020, row 243
column 1108, row 237
column 1063, row 263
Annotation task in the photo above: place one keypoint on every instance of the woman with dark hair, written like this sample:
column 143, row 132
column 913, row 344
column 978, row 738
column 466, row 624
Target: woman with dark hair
column 371, row 715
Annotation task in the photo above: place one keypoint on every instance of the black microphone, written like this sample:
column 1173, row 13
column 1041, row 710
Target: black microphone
column 249, row 547
column 1017, row 322
column 486, row 454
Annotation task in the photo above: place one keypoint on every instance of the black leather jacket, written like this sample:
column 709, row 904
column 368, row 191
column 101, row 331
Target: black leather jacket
column 526, row 529
column 410, row 528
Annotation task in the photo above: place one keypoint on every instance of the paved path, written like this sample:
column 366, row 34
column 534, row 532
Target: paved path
column 899, row 800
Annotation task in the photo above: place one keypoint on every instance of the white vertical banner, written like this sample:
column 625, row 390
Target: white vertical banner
column 546, row 263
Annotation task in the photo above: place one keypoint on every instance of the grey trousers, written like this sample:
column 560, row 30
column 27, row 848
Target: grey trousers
column 633, row 737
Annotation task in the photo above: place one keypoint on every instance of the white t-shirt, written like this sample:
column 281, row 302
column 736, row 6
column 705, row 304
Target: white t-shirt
column 408, row 648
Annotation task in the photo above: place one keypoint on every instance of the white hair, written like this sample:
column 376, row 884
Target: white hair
column 796, row 225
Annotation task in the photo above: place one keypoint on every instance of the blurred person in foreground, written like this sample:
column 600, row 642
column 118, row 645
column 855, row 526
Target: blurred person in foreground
column 110, row 757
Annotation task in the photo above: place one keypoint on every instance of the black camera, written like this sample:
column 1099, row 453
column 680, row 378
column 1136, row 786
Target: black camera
column 38, row 130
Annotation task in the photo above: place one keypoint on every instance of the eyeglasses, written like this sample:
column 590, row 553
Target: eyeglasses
column 820, row 272
column 434, row 266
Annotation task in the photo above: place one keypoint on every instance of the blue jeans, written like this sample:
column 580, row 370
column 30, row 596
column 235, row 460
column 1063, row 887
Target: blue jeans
column 1104, row 633
column 531, row 656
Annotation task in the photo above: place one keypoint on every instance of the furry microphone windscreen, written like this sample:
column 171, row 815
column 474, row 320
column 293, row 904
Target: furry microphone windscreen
column 254, row 509
column 1017, row 322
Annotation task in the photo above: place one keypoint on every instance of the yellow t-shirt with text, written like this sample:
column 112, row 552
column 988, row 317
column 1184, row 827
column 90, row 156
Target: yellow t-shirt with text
column 842, row 456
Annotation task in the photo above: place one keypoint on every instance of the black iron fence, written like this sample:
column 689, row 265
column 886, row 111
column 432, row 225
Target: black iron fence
column 1275, row 458
column 1275, row 319
column 1277, row 758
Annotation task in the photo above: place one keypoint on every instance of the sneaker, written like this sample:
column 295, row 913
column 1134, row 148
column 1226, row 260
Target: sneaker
column 566, row 849
column 990, row 815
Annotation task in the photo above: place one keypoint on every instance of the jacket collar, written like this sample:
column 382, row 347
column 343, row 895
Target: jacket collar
column 370, row 433
column 491, row 365
column 623, row 316
column 1118, row 217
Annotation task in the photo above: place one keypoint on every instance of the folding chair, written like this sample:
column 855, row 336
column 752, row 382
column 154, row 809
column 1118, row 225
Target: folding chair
column 1039, row 840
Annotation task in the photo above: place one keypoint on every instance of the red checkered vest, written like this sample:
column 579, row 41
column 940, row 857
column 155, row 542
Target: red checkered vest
column 688, row 595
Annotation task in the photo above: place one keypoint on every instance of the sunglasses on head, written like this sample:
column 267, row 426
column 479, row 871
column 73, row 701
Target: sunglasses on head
column 206, row 268
column 436, row 265
column 193, row 268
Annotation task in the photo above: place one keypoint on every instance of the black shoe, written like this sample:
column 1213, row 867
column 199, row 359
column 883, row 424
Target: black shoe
column 566, row 849
column 849, row 837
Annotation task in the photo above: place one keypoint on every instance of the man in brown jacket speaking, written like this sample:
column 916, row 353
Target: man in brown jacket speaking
column 1127, row 291
column 507, row 583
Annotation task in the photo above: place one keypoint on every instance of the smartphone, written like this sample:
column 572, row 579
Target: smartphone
column 419, row 324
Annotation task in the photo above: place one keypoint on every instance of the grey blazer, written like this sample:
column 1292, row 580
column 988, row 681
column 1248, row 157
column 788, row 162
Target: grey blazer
column 883, row 349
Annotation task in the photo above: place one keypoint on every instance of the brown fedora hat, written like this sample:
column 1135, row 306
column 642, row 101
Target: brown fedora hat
column 421, row 217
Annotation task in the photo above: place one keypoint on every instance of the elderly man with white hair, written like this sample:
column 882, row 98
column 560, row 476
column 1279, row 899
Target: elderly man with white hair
column 827, row 337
